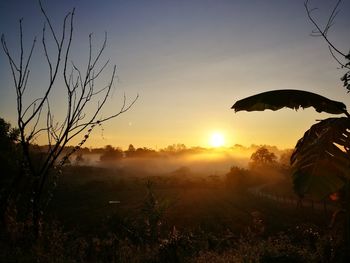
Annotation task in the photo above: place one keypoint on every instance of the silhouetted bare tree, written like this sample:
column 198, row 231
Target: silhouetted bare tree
column 37, row 118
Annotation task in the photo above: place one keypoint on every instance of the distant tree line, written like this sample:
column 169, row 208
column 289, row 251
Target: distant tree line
column 262, row 154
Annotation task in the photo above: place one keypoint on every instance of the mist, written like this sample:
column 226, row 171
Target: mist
column 203, row 162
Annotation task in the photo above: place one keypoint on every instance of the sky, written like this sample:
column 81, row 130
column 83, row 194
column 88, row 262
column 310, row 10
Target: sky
column 188, row 61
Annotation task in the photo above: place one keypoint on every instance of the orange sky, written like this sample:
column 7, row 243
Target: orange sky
column 189, row 61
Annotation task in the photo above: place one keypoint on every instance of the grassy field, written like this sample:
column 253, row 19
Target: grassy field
column 172, row 217
column 82, row 201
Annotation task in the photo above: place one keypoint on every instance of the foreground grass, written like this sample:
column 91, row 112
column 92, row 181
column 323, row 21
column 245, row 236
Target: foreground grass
column 193, row 219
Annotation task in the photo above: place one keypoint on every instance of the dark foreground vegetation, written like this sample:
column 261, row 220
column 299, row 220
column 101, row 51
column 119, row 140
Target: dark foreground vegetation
column 113, row 214
column 107, row 212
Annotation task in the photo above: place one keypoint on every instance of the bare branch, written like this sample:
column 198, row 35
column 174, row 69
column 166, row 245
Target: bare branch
column 13, row 65
column 46, row 52
column 123, row 109
column 335, row 58
column 331, row 18
column 81, row 93
column 68, row 49
column 323, row 32
column 49, row 23
column 29, row 106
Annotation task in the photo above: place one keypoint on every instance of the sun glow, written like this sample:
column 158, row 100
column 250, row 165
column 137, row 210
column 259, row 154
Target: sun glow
column 217, row 139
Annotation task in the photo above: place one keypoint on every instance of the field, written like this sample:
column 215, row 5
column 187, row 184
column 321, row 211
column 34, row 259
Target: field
column 162, row 211
column 210, row 212
column 82, row 199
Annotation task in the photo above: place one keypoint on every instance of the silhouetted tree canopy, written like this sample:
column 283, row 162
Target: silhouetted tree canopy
column 131, row 151
column 262, row 157
column 284, row 159
column 175, row 148
column 111, row 154
column 10, row 158
column 8, row 147
column 236, row 176
column 145, row 152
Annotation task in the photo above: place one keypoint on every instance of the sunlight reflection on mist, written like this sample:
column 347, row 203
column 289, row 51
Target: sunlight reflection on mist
column 216, row 161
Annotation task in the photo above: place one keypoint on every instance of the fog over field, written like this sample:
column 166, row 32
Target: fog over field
column 204, row 162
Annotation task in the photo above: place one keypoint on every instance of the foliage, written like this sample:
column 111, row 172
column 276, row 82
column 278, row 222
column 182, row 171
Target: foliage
column 237, row 178
column 153, row 211
column 131, row 151
column 321, row 158
column 277, row 248
column 294, row 99
column 111, row 154
column 9, row 148
column 262, row 157
column 10, row 158
column 8, row 135
column 319, row 166
column 198, row 220
column 304, row 243
column 284, row 159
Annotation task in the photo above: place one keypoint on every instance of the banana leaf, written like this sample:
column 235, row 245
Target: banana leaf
column 321, row 159
column 294, row 99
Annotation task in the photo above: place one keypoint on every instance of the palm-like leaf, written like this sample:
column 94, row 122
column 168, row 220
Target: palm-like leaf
column 294, row 99
column 321, row 158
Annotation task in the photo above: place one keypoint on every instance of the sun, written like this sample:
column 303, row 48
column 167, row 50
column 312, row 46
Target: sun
column 217, row 139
